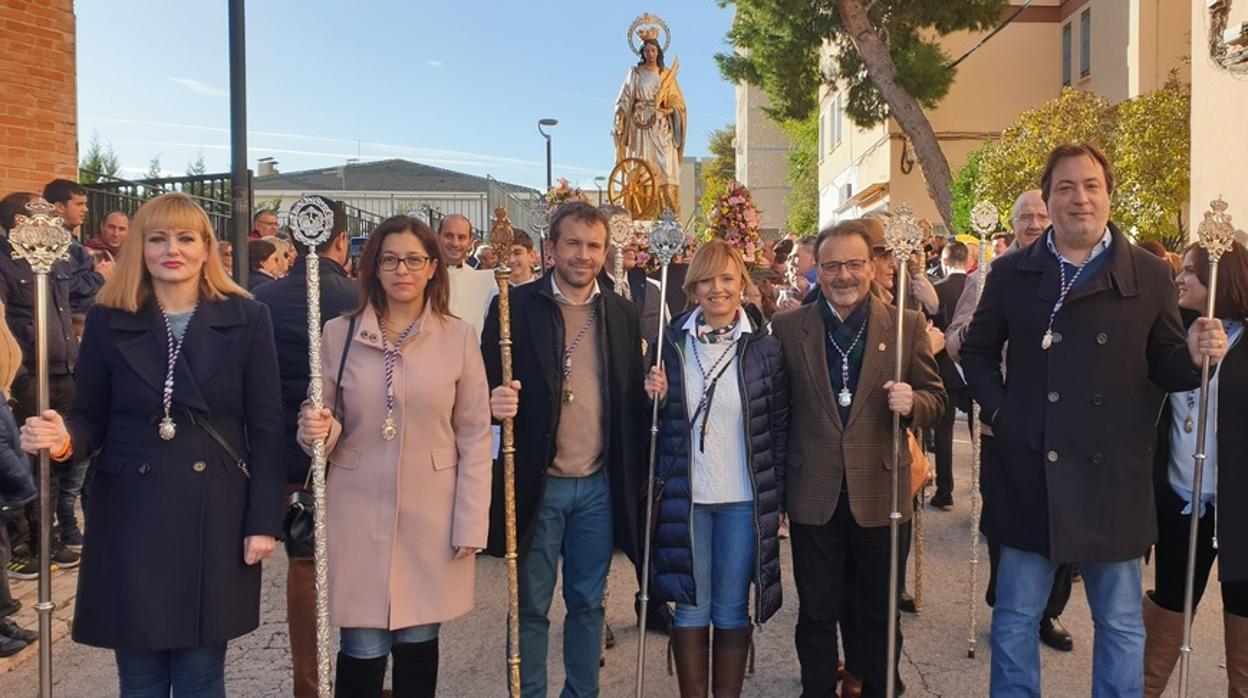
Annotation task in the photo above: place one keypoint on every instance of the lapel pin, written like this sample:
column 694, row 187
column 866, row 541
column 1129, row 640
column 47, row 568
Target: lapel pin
column 883, row 346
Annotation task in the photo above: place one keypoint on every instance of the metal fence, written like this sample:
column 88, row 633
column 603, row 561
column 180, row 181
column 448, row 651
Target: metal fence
column 210, row 191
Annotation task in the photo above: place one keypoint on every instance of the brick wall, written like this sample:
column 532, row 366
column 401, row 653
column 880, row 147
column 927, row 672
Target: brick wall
column 38, row 94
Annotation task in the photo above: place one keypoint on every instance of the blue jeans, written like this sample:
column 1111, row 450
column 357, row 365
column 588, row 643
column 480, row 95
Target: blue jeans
column 194, row 672
column 723, row 566
column 572, row 521
column 370, row 643
column 1024, row 581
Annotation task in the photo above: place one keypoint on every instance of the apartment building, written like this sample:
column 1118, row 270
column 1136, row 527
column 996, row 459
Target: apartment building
column 1116, row 48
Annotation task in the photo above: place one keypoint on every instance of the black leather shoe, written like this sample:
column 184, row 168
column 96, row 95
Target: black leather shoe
column 1054, row 635
column 906, row 604
column 608, row 636
column 942, row 500
column 8, row 628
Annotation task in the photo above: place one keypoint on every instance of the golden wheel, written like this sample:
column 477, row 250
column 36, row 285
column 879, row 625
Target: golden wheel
column 633, row 186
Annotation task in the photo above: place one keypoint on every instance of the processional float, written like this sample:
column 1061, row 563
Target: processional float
column 1217, row 236
column 903, row 237
column 42, row 240
column 984, row 220
column 311, row 222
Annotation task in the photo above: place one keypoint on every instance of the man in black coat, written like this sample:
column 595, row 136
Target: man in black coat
column 581, row 429
column 1093, row 329
column 954, row 260
column 287, row 299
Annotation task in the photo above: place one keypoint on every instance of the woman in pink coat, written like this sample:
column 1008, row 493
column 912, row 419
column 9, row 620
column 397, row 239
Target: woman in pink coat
column 407, row 424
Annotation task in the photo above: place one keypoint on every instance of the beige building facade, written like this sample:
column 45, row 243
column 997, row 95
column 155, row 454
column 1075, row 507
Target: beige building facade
column 1219, row 106
column 762, row 158
column 1116, row 48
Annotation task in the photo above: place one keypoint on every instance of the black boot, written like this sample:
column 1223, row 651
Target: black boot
column 415, row 669
column 359, row 678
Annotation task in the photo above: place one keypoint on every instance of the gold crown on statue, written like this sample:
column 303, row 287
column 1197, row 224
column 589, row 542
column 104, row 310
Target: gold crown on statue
column 648, row 27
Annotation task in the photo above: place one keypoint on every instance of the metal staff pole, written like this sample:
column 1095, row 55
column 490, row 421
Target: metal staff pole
column 984, row 220
column 902, row 237
column 1216, row 235
column 311, row 221
column 501, row 237
column 666, row 241
column 42, row 240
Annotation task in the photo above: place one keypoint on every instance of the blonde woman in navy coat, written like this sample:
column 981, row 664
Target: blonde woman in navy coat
column 187, row 496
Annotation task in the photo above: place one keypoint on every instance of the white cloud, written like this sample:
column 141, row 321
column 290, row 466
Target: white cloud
column 435, row 64
column 201, row 88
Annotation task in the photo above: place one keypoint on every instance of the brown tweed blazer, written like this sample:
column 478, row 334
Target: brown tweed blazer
column 822, row 451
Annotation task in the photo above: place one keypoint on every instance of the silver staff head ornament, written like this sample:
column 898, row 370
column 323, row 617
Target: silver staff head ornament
column 311, row 221
column 985, row 218
column 667, row 239
column 41, row 237
column 621, row 226
column 647, row 27
column 1215, row 233
column 501, row 235
column 903, row 236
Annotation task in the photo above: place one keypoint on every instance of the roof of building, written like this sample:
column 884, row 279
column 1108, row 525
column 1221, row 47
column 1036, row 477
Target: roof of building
column 382, row 175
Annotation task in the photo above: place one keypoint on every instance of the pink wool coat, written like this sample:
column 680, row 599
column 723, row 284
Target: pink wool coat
column 396, row 509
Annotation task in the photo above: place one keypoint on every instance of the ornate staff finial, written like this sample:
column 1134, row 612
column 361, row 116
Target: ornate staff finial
column 501, row 234
column 621, row 227
column 903, row 236
column 40, row 238
column 984, row 218
column 667, row 239
column 311, row 221
column 1215, row 233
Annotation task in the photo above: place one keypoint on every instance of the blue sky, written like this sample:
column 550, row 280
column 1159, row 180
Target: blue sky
column 454, row 84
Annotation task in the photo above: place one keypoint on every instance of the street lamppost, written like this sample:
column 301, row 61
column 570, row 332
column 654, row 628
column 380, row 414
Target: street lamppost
column 540, row 124
column 602, row 183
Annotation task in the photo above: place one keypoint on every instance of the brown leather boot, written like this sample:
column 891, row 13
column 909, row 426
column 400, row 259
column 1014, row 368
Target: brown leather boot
column 1236, row 628
column 692, row 649
column 731, row 651
column 1161, row 646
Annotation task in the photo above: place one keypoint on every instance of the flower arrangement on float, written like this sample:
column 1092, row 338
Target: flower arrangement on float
column 734, row 219
column 562, row 192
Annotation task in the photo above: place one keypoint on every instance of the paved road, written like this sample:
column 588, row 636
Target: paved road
column 934, row 661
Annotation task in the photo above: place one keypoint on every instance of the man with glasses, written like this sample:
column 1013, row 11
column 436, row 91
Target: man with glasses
column 840, row 352
column 471, row 289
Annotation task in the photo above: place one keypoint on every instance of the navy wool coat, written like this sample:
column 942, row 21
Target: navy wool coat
column 764, row 395
column 162, row 565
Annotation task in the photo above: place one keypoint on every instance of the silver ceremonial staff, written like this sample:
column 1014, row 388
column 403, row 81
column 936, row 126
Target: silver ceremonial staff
column 1216, row 235
column 666, row 241
column 311, row 221
column 42, row 240
column 902, row 237
column 501, row 239
column 984, row 220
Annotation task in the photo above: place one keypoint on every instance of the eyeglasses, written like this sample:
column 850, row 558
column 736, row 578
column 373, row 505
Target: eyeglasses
column 855, row 266
column 1032, row 217
column 413, row 262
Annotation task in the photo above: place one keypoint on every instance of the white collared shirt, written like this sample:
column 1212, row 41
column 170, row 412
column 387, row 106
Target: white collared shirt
column 559, row 295
column 718, row 471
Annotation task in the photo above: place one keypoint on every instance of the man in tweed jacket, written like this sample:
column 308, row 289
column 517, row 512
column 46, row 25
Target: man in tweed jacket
column 840, row 354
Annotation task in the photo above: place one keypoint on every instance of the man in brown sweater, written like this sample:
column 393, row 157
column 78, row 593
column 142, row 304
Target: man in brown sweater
column 581, row 423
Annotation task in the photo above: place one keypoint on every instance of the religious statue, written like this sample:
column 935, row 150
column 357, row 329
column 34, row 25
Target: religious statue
column 650, row 127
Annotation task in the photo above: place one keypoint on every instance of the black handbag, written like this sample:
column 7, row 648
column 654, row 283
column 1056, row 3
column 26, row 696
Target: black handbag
column 299, row 527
